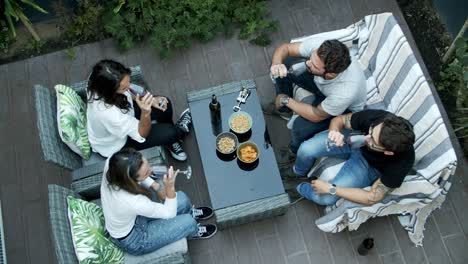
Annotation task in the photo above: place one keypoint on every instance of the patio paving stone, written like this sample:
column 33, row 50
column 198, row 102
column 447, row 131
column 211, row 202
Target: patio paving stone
column 292, row 238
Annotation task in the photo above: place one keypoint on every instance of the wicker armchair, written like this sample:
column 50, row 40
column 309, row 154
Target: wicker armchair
column 176, row 252
column 84, row 172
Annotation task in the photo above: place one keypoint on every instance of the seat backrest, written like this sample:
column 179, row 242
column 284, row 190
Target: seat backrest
column 53, row 148
column 61, row 231
column 386, row 56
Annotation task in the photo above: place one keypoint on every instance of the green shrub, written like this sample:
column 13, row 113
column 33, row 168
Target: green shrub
column 452, row 87
column 172, row 24
column 13, row 11
column 85, row 24
column 5, row 37
column 33, row 47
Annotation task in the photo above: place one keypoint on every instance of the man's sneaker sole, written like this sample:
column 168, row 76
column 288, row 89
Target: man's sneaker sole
column 275, row 112
column 285, row 117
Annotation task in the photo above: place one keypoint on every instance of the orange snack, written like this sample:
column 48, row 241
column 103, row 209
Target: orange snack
column 248, row 154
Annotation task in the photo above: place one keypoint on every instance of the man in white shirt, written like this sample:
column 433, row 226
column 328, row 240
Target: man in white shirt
column 337, row 82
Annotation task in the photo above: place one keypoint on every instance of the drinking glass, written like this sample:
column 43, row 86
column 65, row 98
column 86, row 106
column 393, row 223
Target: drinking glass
column 298, row 68
column 160, row 170
column 137, row 90
column 353, row 140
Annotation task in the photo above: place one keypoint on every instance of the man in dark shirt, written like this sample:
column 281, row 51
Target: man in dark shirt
column 382, row 163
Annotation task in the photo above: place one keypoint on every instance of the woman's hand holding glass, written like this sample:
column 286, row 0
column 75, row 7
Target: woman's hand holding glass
column 144, row 103
column 169, row 182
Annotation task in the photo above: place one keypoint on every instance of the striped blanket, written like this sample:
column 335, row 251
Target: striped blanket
column 396, row 83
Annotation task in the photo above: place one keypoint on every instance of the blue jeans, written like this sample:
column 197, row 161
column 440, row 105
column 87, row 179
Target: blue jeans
column 355, row 173
column 302, row 129
column 150, row 234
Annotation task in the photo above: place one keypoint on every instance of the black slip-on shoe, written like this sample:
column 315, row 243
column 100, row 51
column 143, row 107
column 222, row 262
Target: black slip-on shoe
column 202, row 212
column 205, row 231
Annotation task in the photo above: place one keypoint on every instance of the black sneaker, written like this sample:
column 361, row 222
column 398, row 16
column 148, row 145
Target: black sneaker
column 270, row 109
column 185, row 120
column 286, row 157
column 205, row 231
column 288, row 173
column 177, row 152
column 202, row 213
column 293, row 194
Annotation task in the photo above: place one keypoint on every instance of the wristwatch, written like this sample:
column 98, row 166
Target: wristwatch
column 332, row 190
column 285, row 100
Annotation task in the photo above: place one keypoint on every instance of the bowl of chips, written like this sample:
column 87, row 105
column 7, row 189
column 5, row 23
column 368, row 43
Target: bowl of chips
column 240, row 122
column 226, row 143
column 248, row 152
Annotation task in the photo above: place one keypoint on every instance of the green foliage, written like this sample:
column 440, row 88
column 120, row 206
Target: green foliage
column 85, row 24
column 168, row 25
column 5, row 37
column 71, row 53
column 172, row 24
column 34, row 47
column 14, row 12
column 453, row 89
column 250, row 14
column 261, row 40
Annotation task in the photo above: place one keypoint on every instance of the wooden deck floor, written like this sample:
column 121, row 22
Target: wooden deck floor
column 292, row 238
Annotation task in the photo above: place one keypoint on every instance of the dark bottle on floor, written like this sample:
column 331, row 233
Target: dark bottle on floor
column 215, row 114
column 365, row 246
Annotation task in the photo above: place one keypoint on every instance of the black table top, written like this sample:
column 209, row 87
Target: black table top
column 229, row 183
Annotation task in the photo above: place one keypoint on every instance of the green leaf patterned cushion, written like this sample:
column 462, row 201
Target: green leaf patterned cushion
column 90, row 237
column 71, row 120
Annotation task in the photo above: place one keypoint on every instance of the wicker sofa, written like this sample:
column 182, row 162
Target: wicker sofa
column 396, row 83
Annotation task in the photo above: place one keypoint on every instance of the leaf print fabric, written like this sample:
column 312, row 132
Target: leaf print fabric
column 90, row 237
column 71, row 120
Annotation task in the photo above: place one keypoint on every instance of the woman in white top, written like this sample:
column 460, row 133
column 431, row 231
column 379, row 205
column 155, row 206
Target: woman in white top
column 114, row 121
column 136, row 222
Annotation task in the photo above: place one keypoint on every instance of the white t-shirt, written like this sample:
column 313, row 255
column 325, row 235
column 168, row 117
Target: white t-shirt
column 346, row 91
column 121, row 208
column 108, row 126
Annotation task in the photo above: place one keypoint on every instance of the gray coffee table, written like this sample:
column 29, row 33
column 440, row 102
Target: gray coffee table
column 239, row 194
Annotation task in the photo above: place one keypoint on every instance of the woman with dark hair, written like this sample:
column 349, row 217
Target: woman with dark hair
column 114, row 121
column 136, row 222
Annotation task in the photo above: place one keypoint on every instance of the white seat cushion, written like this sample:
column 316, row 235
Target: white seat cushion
column 179, row 246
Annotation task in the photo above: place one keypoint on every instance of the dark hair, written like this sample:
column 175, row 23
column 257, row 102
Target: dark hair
column 396, row 134
column 123, row 171
column 335, row 56
column 104, row 82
